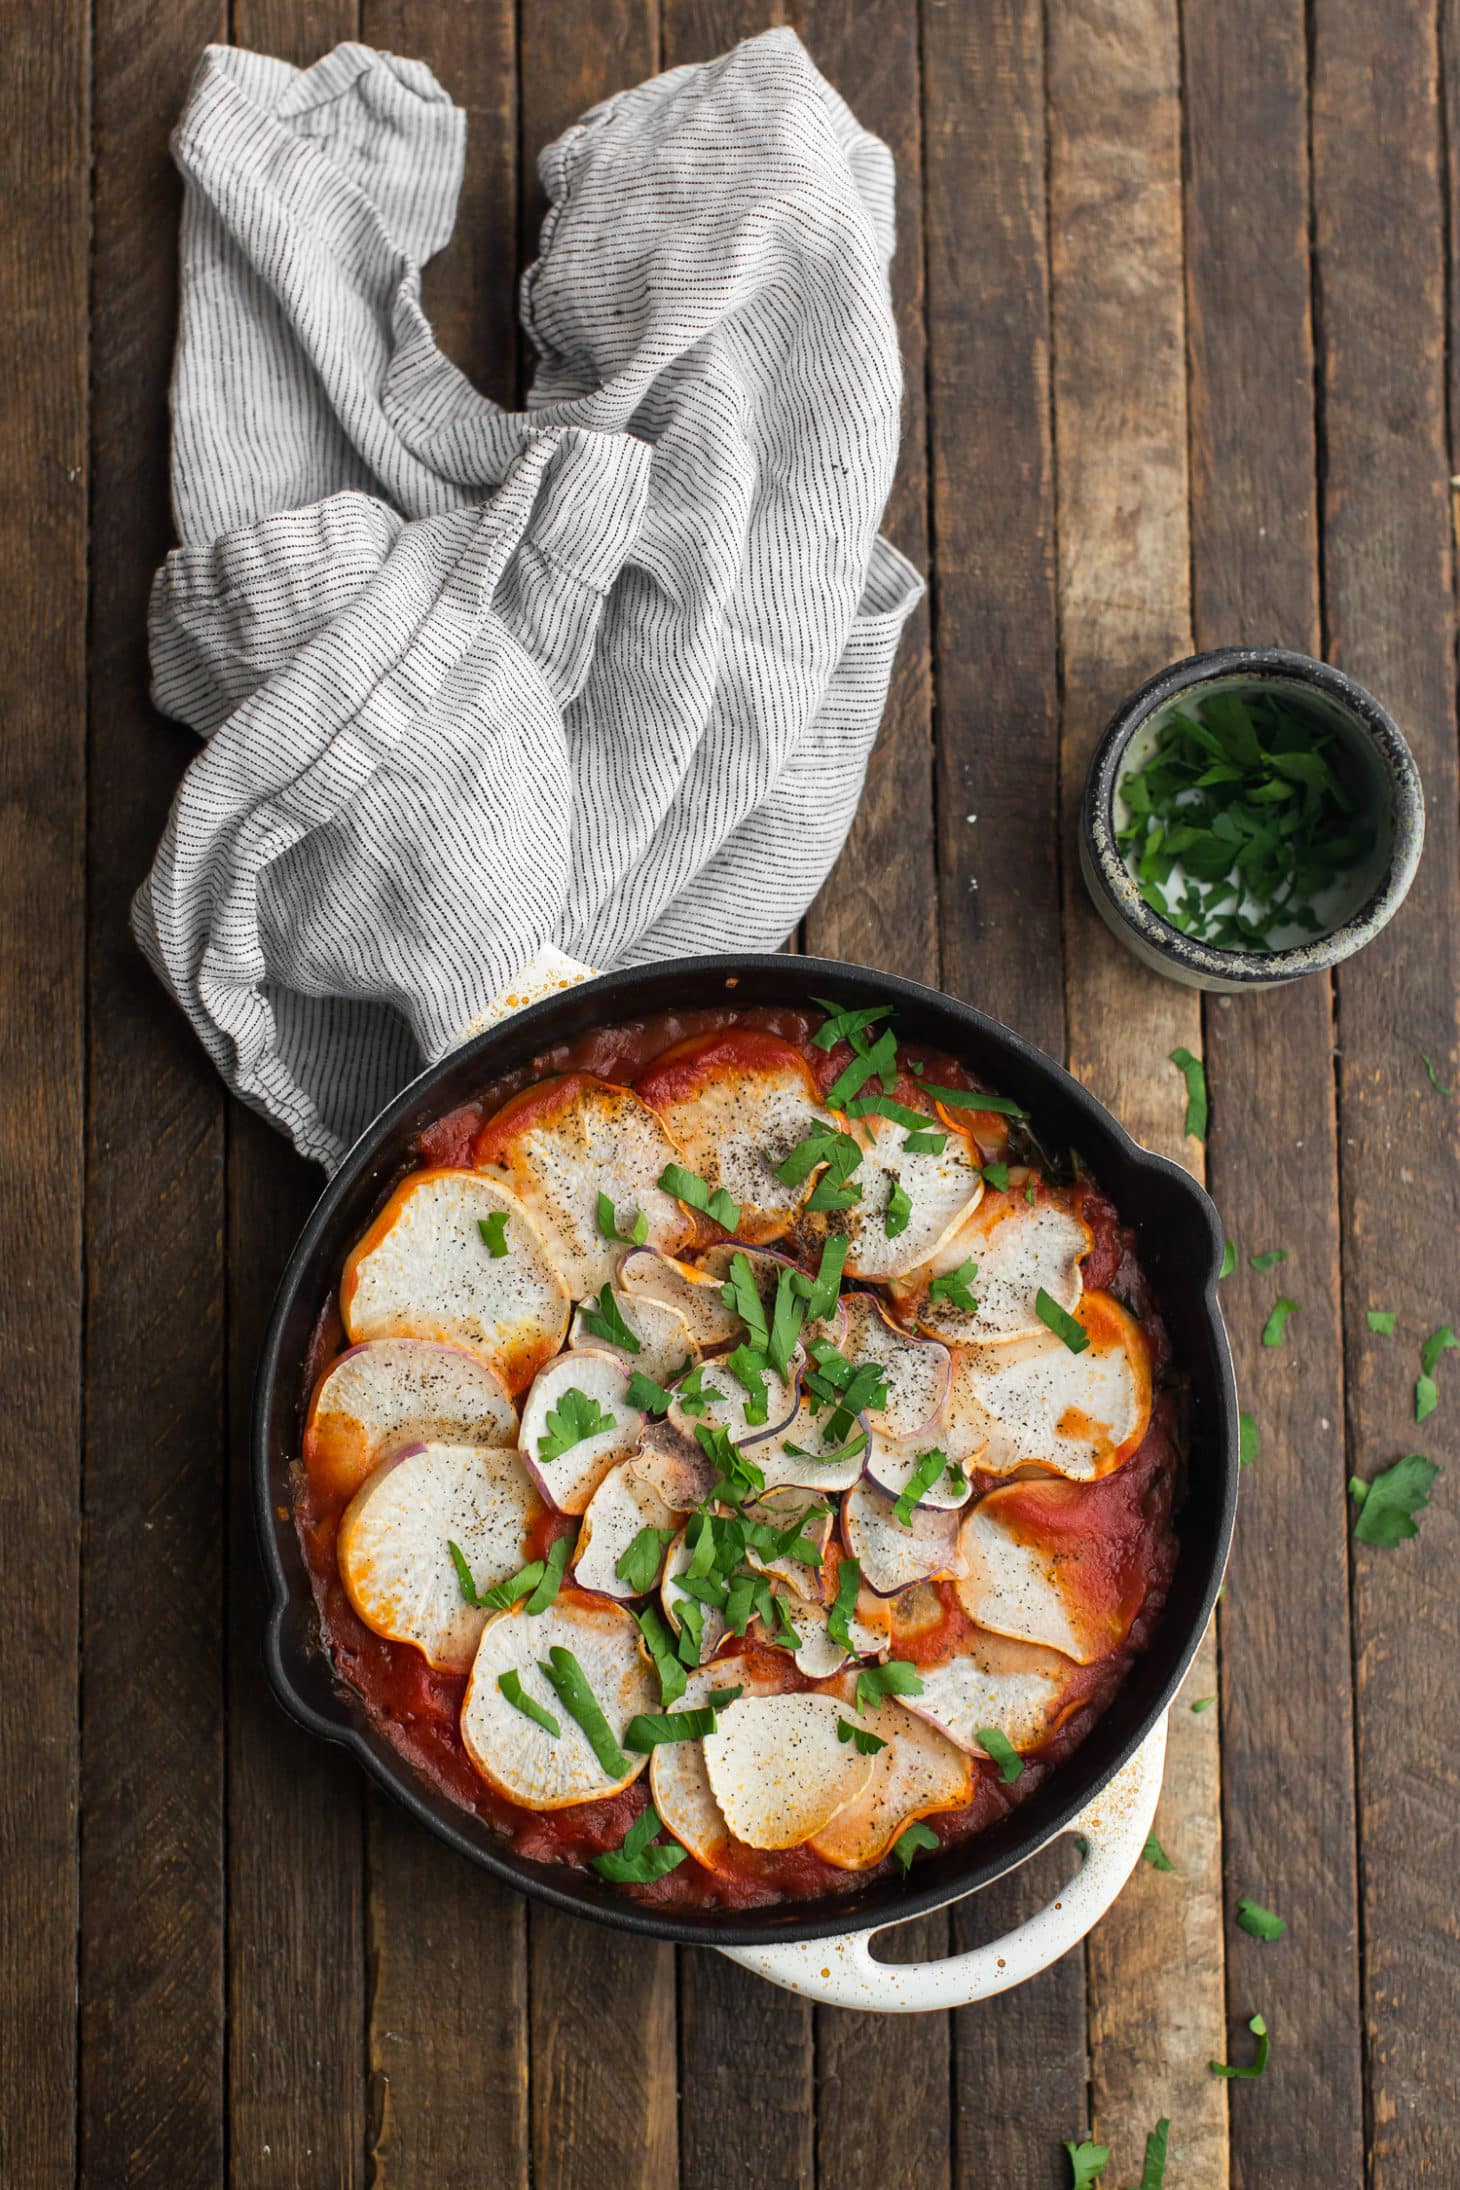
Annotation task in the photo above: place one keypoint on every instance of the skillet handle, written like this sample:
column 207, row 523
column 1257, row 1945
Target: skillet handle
column 547, row 971
column 843, row 1971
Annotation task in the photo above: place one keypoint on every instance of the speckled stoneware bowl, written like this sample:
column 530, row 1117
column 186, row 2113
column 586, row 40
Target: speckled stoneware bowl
column 1376, row 764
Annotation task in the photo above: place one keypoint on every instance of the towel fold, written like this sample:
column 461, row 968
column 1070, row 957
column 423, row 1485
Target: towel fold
column 602, row 674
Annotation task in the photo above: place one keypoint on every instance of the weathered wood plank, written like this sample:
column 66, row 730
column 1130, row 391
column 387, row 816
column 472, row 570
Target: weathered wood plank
column 152, row 2022
column 43, row 471
column 1380, row 230
column 1287, row 1743
column 1155, row 1963
column 1018, row 2060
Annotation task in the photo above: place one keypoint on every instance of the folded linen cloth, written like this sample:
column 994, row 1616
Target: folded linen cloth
column 603, row 674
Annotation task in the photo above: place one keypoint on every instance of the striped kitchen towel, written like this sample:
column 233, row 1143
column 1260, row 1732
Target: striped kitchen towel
column 602, row 674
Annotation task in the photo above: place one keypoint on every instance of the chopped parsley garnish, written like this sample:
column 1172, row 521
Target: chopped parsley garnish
column 1203, row 1703
column 1156, row 1855
column 641, row 1858
column 1087, row 2162
column 971, row 1098
column 1258, row 2029
column 650, row 1728
column 510, row 1683
column 650, row 1398
column 834, row 1382
column 1260, row 1922
column 524, row 1583
column 842, row 1023
column 608, row 1225
column 822, row 1292
column 639, row 1563
column 909, row 1841
column 1382, row 1321
column 1275, row 1328
column 553, row 1568
column 1426, row 1390
column 867, row 1742
column 690, row 1395
column 741, row 1294
column 688, row 1187
column 925, row 1144
column 570, row 1683
column 839, row 1618
column 995, row 1175
column 691, row 1644
column 822, row 1145
column 930, row 1466
column 898, row 1213
column 1387, row 1504
column 999, row 1750
column 953, row 1287
column 884, row 1106
column 1268, row 1258
column 1194, row 1073
column 606, row 1321
column 739, row 1478
column 788, row 1313
column 494, row 1233
column 1249, row 1440
column 895, row 1678
column 748, row 1367
column 851, row 1450
column 468, row 1586
column 828, row 1195
column 1153, row 2167
column 1433, row 1076
column 957, row 1480
column 661, row 1648
column 1060, row 1321
column 1229, row 1259
column 869, row 1060
column 574, row 1418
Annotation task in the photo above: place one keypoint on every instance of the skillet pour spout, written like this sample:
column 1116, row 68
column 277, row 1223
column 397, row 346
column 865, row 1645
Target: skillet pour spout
column 1180, row 1242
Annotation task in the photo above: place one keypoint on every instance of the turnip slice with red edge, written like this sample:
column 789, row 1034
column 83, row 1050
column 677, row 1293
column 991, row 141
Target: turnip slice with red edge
column 401, row 1391
column 818, row 1461
column 726, row 1401
column 1021, row 1248
column 1080, row 1414
column 1013, row 1687
column 562, row 1143
column 678, row 1782
column 664, row 1345
column 918, row 1772
column 619, row 1509
column 779, row 1770
column 1055, row 1588
column 892, row 1464
column 521, row 1759
column 568, row 1390
column 738, row 1101
column 915, row 1371
column 691, row 1292
column 942, row 1189
column 713, row 1629
column 393, row 1557
column 892, row 1555
column 425, row 1270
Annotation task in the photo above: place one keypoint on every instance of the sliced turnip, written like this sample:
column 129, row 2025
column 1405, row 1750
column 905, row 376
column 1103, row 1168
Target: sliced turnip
column 562, row 1143
column 394, row 1561
column 691, row 1292
column 675, row 1466
column 1046, row 1584
column 778, row 1509
column 544, row 1771
column 713, row 1629
column 725, row 1400
column 1013, row 1687
column 891, row 1465
column 737, row 1102
column 1081, row 1414
column 578, row 1387
column 622, row 1506
column 678, row 1781
column 665, row 1347
column 915, row 1371
column 1021, row 1248
column 918, row 1772
column 779, row 1770
column 767, row 1267
column 401, row 1391
column 425, row 1269
column 820, row 1655
column 941, row 1189
column 893, row 1556
column 803, row 1453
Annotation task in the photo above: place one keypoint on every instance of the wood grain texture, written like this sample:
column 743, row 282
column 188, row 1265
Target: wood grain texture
column 1155, row 1963
column 1380, row 227
column 1287, row 1775
column 152, row 1919
column 996, row 669
column 44, row 152
column 747, row 2110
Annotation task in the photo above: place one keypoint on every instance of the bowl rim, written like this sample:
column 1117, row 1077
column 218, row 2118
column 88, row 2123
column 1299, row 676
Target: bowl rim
column 292, row 1617
column 1241, row 968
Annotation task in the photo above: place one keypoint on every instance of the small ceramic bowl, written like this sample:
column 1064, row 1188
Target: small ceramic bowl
column 1373, row 759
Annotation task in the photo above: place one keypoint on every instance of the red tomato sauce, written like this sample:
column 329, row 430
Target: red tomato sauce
column 1123, row 1522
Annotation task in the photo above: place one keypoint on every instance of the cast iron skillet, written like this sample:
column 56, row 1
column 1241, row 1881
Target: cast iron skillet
column 1180, row 1243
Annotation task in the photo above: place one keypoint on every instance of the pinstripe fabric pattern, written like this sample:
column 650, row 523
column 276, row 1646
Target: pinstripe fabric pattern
column 603, row 674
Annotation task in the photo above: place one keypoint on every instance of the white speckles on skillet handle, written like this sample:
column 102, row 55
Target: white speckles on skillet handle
column 843, row 1972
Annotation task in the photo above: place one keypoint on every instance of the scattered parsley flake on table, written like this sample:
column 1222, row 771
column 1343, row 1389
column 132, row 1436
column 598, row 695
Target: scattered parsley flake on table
column 1249, row 1440
column 1258, row 1922
column 1382, row 1321
column 1229, row 1259
column 1387, row 1504
column 1434, row 1078
column 1258, row 2029
column 1275, row 1329
column 1087, row 2161
column 1203, row 1703
column 1194, row 1072
column 1268, row 1257
column 1154, row 1854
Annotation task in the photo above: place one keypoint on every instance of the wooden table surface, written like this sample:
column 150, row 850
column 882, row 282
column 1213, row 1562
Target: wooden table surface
column 1181, row 369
